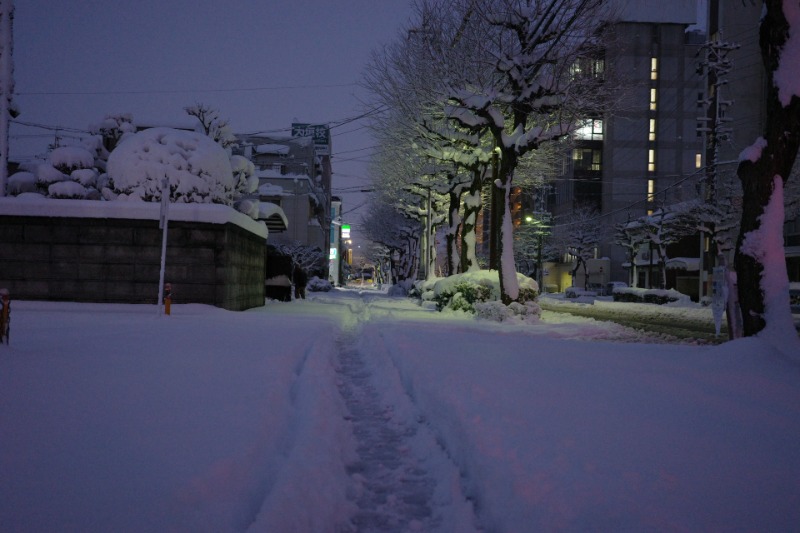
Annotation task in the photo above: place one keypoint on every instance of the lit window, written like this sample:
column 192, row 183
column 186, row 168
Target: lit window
column 698, row 160
column 652, row 135
column 653, row 68
column 651, row 160
column 590, row 130
column 652, row 99
column 587, row 159
column 651, row 190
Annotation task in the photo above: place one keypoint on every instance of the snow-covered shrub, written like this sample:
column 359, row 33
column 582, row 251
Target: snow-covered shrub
column 21, row 182
column 46, row 175
column 68, row 190
column 198, row 169
column 85, row 176
column 497, row 312
column 69, row 158
column 316, row 284
column 462, row 291
column 462, row 296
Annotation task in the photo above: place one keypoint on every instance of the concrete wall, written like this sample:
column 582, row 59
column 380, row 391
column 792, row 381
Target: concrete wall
column 118, row 260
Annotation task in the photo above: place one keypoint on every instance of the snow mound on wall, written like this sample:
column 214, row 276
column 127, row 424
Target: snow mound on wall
column 198, row 169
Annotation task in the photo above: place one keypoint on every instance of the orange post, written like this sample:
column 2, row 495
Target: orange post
column 5, row 315
column 167, row 297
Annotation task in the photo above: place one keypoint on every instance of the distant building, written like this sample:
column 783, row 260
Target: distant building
column 294, row 173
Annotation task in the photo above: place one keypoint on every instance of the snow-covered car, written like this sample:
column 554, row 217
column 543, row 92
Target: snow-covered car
column 577, row 292
column 611, row 285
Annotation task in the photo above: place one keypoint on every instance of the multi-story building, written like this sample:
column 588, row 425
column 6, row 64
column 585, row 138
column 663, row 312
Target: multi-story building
column 294, row 173
column 646, row 151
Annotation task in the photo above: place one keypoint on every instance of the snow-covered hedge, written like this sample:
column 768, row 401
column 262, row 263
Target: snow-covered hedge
column 316, row 284
column 479, row 292
column 651, row 296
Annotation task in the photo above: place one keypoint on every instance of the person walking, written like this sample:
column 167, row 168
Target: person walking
column 300, row 281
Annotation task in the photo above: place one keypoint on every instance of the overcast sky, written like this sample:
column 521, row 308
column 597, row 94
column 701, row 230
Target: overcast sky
column 76, row 61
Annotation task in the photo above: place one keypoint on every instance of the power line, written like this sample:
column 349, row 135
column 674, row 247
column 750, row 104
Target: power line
column 184, row 91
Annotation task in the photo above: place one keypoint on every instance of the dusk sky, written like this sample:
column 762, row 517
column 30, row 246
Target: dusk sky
column 262, row 63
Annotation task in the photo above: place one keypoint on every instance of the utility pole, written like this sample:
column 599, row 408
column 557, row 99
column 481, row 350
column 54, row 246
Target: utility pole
column 6, row 85
column 716, row 65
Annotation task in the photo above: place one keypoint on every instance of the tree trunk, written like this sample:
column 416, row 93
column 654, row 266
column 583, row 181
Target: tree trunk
column 496, row 209
column 453, row 225
column 472, row 207
column 758, row 172
column 509, row 285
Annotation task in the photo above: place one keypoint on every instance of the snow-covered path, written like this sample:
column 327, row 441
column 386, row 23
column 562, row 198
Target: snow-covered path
column 402, row 480
column 357, row 412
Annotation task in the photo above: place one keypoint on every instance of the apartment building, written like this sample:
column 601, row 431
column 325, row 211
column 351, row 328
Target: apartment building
column 646, row 151
column 294, row 173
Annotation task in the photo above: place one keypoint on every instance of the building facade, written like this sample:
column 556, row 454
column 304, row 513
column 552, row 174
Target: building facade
column 294, row 173
column 646, row 151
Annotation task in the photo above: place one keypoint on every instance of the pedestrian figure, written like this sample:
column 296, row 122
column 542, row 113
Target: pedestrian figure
column 300, row 281
column 5, row 315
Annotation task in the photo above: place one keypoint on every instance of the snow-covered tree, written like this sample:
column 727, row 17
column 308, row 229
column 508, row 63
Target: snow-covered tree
column 212, row 124
column 580, row 236
column 198, row 169
column 310, row 258
column 529, row 94
column 764, row 169
column 630, row 235
column 665, row 227
column 400, row 234
column 106, row 135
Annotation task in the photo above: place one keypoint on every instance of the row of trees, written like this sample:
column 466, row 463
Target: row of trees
column 476, row 95
column 475, row 98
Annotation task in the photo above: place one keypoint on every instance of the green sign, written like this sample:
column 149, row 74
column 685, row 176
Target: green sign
column 345, row 231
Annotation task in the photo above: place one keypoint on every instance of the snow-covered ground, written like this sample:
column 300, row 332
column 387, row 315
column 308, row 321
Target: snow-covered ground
column 353, row 411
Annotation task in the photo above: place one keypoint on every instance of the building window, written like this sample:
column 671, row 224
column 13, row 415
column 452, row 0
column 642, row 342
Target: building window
column 651, row 160
column 652, row 99
column 587, row 159
column 652, row 135
column 653, row 68
column 590, row 130
column 651, row 194
column 587, row 68
column 698, row 160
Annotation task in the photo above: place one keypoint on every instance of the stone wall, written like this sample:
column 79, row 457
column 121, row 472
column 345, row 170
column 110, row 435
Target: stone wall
column 118, row 260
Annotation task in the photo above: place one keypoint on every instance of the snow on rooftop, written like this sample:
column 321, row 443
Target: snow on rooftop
column 272, row 149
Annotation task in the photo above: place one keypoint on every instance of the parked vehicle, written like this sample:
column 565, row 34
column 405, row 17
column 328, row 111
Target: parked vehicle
column 611, row 285
column 794, row 297
column 577, row 292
